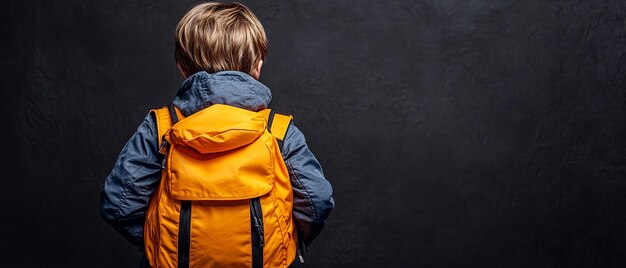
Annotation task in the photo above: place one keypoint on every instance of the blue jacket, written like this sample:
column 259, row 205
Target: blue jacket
column 136, row 173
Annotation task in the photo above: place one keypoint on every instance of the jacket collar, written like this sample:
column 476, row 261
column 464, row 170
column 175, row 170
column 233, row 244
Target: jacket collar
column 233, row 88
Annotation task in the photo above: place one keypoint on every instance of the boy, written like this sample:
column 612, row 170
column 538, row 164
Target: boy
column 219, row 49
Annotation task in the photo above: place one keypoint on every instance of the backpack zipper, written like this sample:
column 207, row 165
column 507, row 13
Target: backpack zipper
column 256, row 225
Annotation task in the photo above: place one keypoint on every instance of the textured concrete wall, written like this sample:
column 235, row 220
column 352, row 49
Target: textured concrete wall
column 456, row 133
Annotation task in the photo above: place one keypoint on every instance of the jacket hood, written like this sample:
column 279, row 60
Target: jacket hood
column 233, row 88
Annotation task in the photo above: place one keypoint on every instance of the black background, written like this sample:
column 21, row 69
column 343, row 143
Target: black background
column 455, row 133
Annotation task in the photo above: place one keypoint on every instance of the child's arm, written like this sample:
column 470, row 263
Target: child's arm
column 127, row 189
column 312, row 193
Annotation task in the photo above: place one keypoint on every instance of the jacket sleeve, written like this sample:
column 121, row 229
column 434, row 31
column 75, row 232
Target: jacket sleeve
column 312, row 193
column 135, row 175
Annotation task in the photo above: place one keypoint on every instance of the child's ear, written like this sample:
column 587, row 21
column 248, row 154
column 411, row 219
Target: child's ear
column 257, row 71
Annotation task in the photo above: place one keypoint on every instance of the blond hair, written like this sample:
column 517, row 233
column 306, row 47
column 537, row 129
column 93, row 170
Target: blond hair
column 216, row 37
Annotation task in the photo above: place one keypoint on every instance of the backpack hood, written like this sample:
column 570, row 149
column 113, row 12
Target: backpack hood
column 233, row 88
column 216, row 129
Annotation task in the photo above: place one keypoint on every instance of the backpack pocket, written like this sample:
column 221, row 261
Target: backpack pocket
column 242, row 173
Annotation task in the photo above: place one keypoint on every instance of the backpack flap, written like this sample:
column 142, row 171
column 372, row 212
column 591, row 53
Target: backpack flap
column 220, row 153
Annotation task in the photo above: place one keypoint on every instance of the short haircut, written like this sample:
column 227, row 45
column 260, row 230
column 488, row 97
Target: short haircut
column 217, row 37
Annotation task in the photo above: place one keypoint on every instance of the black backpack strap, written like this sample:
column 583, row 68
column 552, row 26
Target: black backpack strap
column 278, row 124
column 165, row 117
column 173, row 113
column 270, row 120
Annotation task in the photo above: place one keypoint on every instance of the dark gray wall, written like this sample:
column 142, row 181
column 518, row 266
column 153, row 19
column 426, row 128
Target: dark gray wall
column 456, row 133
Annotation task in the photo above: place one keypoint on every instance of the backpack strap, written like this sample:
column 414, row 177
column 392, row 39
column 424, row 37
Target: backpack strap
column 280, row 125
column 277, row 124
column 164, row 120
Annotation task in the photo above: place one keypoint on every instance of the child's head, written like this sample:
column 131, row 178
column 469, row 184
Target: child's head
column 216, row 37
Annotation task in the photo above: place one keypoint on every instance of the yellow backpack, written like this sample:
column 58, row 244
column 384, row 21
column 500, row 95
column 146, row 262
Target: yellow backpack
column 224, row 198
